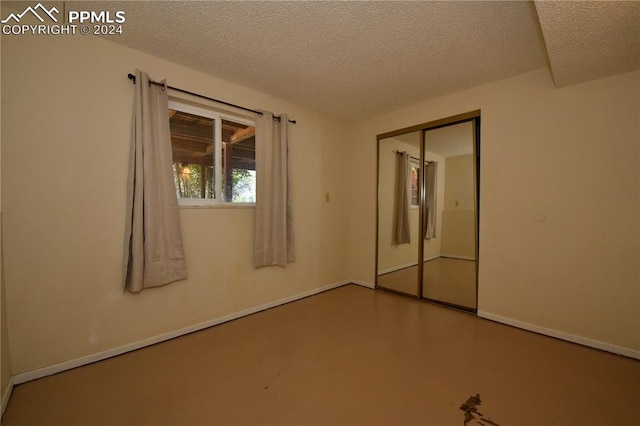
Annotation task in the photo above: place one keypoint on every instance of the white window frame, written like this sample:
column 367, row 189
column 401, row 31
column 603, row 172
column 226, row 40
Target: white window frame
column 217, row 117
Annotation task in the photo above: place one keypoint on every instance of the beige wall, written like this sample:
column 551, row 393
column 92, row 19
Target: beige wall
column 559, row 201
column 5, row 357
column 5, row 361
column 458, row 234
column 458, row 193
column 66, row 130
column 458, row 219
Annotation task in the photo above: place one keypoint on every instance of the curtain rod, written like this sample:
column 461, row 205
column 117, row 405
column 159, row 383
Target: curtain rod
column 402, row 152
column 411, row 156
column 133, row 78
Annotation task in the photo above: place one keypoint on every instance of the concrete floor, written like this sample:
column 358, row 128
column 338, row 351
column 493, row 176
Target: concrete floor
column 347, row 356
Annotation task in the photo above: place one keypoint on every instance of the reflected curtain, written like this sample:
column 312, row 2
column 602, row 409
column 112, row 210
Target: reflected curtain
column 403, row 199
column 153, row 252
column 431, row 186
column 274, row 241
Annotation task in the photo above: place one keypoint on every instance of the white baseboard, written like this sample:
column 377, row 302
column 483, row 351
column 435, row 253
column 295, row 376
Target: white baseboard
column 78, row 362
column 397, row 268
column 427, row 259
column 457, row 256
column 619, row 350
column 7, row 394
column 362, row 284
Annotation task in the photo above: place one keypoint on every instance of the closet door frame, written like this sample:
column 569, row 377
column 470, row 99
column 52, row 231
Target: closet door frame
column 473, row 116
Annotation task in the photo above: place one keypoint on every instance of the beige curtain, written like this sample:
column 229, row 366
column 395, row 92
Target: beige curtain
column 430, row 198
column 403, row 199
column 153, row 254
column 274, row 242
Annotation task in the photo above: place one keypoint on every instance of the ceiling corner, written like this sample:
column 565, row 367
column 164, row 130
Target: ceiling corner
column 590, row 40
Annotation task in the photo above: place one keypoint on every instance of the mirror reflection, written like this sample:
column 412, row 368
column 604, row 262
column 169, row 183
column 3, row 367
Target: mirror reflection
column 399, row 213
column 449, row 272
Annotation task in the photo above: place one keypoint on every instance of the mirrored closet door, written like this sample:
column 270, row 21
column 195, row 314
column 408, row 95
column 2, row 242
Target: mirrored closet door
column 399, row 213
column 449, row 271
column 427, row 238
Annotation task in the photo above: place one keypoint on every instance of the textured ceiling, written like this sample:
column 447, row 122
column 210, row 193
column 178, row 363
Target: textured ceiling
column 354, row 59
column 451, row 141
column 345, row 59
column 589, row 40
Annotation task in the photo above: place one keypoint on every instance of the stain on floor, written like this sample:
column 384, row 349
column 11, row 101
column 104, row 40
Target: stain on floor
column 471, row 413
column 271, row 379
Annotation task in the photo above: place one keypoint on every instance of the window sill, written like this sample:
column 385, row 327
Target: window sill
column 216, row 206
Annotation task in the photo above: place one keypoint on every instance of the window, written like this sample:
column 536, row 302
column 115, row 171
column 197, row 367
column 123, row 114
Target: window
column 214, row 156
column 415, row 178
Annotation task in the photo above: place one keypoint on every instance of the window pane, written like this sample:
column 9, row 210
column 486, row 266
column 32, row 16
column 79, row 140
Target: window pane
column 238, row 162
column 193, row 154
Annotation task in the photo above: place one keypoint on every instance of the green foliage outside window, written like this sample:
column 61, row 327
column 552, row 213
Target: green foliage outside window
column 189, row 183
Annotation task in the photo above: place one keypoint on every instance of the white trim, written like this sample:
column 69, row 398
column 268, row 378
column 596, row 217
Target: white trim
column 456, row 256
column 409, row 265
column 620, row 350
column 397, row 268
column 88, row 359
column 184, row 203
column 363, row 284
column 7, row 394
